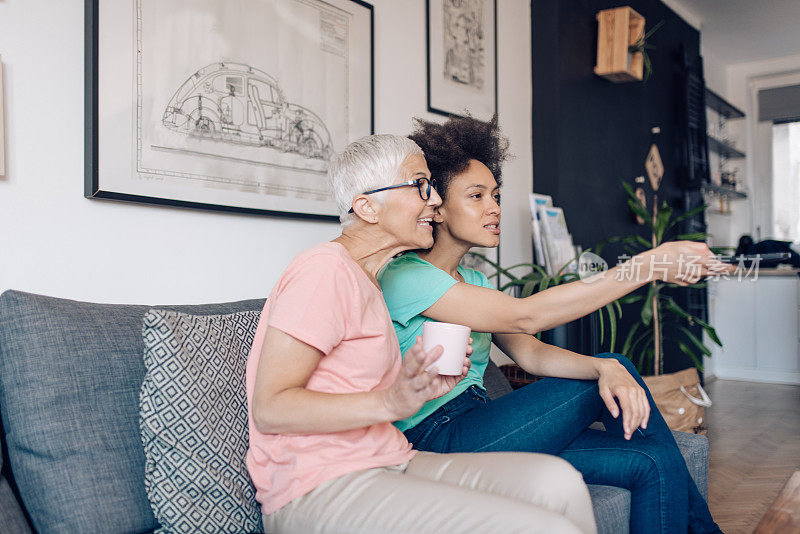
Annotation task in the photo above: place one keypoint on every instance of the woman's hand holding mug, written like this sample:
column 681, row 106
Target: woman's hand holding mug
column 414, row 386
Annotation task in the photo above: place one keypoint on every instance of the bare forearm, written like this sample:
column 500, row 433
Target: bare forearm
column 548, row 360
column 302, row 411
column 567, row 302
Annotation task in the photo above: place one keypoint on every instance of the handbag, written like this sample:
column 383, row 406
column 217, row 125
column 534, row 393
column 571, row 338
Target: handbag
column 681, row 400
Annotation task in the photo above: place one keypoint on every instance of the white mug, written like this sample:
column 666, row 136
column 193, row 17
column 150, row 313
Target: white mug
column 454, row 339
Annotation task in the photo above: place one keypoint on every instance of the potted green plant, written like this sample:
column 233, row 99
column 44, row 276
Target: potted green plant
column 644, row 341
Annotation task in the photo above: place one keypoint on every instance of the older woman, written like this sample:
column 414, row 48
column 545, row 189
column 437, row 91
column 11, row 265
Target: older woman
column 637, row 451
column 325, row 381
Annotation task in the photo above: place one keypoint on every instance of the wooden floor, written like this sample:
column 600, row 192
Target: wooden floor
column 754, row 434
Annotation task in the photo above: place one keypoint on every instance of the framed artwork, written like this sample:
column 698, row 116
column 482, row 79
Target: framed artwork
column 232, row 105
column 462, row 57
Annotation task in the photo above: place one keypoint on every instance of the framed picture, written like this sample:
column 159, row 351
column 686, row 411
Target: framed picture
column 232, row 105
column 462, row 57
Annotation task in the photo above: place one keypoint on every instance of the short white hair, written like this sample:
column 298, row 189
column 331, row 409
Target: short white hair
column 368, row 163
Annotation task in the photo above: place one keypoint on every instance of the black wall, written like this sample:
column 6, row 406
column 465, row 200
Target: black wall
column 590, row 134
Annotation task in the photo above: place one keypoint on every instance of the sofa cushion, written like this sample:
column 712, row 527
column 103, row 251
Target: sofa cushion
column 495, row 382
column 70, row 374
column 612, row 507
column 194, row 421
column 12, row 518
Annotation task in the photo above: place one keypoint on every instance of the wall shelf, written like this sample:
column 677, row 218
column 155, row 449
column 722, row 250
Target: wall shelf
column 724, row 149
column 723, row 191
column 722, row 106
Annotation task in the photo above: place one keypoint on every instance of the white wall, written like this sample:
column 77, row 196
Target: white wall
column 56, row 242
column 714, row 71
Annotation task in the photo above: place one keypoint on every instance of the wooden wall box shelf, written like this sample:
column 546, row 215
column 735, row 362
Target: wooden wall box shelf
column 617, row 29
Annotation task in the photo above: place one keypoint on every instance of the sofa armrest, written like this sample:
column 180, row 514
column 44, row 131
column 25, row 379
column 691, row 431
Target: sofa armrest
column 12, row 518
column 694, row 449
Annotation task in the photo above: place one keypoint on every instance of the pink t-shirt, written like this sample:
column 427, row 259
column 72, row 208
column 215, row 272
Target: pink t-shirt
column 325, row 300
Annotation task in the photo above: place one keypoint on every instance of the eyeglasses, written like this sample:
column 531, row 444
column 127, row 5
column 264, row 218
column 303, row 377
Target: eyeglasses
column 423, row 186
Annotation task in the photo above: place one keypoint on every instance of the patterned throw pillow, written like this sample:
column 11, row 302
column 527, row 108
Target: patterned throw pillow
column 193, row 419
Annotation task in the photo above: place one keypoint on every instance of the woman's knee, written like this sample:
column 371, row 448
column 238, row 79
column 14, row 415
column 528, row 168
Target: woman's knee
column 554, row 473
column 556, row 485
column 656, row 461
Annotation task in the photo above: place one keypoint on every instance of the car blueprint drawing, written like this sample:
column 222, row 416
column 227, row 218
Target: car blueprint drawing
column 237, row 104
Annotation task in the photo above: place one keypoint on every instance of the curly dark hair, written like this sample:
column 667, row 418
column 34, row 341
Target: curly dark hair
column 448, row 147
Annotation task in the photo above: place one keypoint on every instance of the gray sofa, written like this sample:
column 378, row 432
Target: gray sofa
column 72, row 460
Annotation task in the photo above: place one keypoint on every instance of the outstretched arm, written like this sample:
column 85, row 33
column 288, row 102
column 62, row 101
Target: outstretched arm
column 487, row 310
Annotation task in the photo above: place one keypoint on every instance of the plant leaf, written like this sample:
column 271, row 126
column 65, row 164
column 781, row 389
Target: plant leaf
column 637, row 208
column 626, row 345
column 672, row 306
column 653, row 30
column 645, row 360
column 694, row 236
column 697, row 343
column 697, row 285
column 647, row 66
column 686, row 350
column 710, row 330
column 629, row 299
column 647, row 336
column 544, row 283
column 499, row 270
column 629, row 189
column 619, row 309
column 602, row 325
column 644, row 242
column 527, row 289
column 691, row 213
column 612, row 325
column 662, row 220
column 647, row 309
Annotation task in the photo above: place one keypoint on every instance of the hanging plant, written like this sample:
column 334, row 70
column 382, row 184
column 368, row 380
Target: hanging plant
column 641, row 46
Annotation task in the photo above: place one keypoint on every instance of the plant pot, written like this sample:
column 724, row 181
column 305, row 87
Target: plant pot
column 680, row 399
column 617, row 29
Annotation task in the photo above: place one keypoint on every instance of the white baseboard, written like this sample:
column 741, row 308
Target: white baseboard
column 756, row 375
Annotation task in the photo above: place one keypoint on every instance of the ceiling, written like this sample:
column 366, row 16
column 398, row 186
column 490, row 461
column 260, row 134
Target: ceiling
column 739, row 31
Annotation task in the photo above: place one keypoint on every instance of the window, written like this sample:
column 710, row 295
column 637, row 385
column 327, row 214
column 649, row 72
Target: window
column 786, row 181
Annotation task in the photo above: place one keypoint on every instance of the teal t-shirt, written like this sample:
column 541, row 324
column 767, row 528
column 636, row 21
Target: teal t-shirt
column 410, row 286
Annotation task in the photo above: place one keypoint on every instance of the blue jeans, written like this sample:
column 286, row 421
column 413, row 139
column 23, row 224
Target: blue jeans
column 552, row 416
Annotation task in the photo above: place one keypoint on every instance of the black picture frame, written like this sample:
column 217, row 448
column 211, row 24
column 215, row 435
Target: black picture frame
column 94, row 187
column 443, row 106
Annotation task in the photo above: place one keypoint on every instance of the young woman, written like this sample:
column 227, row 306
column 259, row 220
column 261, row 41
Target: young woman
column 325, row 381
column 637, row 451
